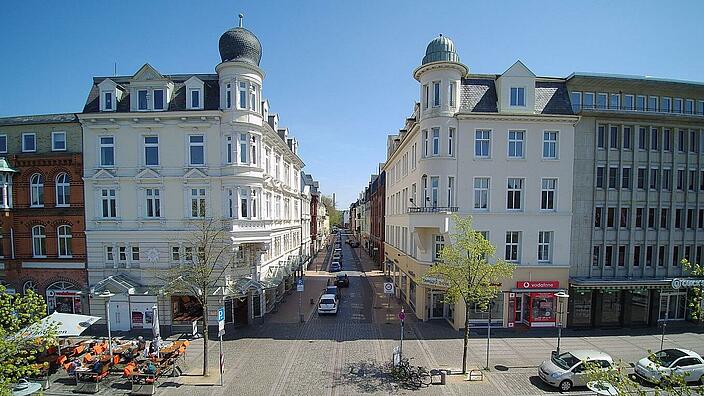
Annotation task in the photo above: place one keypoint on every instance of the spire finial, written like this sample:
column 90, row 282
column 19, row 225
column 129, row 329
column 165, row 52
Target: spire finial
column 241, row 18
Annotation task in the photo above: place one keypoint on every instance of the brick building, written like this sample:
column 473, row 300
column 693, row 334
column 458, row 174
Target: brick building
column 42, row 244
column 376, row 226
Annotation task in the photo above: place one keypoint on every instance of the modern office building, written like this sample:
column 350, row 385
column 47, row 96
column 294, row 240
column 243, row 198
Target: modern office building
column 166, row 152
column 638, row 193
column 498, row 148
column 42, row 243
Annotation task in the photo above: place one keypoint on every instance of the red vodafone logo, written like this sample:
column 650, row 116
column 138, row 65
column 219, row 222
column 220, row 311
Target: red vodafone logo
column 553, row 284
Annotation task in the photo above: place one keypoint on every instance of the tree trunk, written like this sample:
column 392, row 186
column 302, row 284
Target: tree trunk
column 466, row 338
column 205, row 337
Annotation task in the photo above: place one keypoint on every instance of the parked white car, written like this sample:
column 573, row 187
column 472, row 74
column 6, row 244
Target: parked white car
column 327, row 304
column 567, row 370
column 664, row 363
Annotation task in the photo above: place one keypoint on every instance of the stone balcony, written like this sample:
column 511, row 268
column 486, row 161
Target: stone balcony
column 435, row 217
column 256, row 230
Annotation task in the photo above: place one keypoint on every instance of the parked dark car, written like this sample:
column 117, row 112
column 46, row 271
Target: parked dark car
column 354, row 243
column 342, row 280
column 333, row 290
column 335, row 267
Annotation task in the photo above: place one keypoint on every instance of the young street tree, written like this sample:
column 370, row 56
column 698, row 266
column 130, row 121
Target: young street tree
column 473, row 274
column 18, row 356
column 208, row 257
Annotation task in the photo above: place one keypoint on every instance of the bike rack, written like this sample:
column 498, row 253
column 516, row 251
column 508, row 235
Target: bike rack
column 475, row 375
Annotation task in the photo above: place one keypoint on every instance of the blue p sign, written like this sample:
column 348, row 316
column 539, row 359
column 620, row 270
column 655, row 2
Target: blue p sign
column 221, row 314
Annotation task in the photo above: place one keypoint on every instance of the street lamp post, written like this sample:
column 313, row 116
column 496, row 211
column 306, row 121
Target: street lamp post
column 106, row 295
column 560, row 296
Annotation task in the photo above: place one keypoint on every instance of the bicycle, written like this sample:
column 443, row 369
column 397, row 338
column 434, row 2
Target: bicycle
column 410, row 377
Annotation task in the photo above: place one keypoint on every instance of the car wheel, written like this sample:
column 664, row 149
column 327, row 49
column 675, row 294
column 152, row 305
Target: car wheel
column 565, row 385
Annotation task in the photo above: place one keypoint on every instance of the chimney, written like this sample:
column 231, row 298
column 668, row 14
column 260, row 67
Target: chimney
column 333, row 200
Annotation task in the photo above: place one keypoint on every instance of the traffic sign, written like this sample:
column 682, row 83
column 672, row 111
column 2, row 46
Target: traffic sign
column 388, row 288
column 402, row 315
column 221, row 321
column 221, row 314
column 299, row 285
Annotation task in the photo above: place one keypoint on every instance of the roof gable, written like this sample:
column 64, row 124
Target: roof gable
column 518, row 69
column 147, row 73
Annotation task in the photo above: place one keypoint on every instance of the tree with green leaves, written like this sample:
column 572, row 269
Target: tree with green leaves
column 208, row 257
column 471, row 270
column 696, row 294
column 334, row 214
column 18, row 356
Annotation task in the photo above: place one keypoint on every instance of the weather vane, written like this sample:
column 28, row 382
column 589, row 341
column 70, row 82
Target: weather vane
column 241, row 18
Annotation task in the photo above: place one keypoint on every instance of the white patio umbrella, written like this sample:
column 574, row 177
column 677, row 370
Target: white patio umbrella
column 155, row 321
column 67, row 325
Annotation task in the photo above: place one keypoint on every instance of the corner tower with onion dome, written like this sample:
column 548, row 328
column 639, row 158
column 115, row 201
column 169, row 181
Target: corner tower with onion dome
column 166, row 151
column 498, row 147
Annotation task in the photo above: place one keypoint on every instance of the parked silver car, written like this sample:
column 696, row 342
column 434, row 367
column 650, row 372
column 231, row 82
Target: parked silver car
column 662, row 364
column 567, row 370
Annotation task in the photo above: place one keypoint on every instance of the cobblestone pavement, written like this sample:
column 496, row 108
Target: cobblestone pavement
column 345, row 354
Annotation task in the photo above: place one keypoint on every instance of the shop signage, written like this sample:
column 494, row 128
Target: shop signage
column 434, row 281
column 537, row 284
column 678, row 283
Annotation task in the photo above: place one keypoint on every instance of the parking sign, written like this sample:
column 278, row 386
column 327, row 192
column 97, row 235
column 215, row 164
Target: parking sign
column 221, row 314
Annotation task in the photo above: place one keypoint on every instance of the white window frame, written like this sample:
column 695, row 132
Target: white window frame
column 146, row 100
column 547, row 189
column 110, row 146
column 451, row 93
column 191, row 145
column 450, row 142
column 511, row 188
column 199, row 105
column 228, row 149
column 450, row 191
column 63, row 190
column 39, row 241
column 197, row 196
column 438, row 245
column 516, row 143
column 512, row 248
column 545, row 239
column 435, row 142
column 151, row 145
column 152, row 200
column 105, row 196
column 436, row 94
column 163, row 99
column 64, row 241
column 517, row 101
column 549, row 142
column 34, row 138
column 228, row 96
column 103, row 100
column 481, row 193
column 633, row 102
column 110, row 254
column 53, row 140
column 243, row 148
column 134, row 254
column 426, row 143
column 242, row 93
column 36, row 190
column 480, row 139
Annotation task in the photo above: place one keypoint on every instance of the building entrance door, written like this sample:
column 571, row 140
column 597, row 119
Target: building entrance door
column 519, row 308
column 437, row 305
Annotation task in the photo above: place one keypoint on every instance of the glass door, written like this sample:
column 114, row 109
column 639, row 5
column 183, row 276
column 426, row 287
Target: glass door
column 673, row 306
column 437, row 305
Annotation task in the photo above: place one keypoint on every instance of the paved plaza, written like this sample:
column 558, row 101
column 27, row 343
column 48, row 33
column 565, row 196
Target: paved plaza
column 346, row 354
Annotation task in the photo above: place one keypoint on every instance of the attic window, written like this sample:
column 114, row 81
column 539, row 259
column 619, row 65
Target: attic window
column 158, row 99
column 142, row 99
column 518, row 96
column 107, row 101
column 194, row 97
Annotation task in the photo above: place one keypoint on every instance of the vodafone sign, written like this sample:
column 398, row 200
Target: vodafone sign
column 538, row 284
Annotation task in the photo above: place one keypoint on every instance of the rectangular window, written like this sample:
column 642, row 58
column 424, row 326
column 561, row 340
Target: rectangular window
column 253, row 97
column 438, row 246
column 610, row 216
column 151, row 150
column 623, row 218
column 588, row 100
column 228, row 152
column 678, row 218
column 58, row 141
column 426, row 96
column 513, row 243
column 122, row 254
column 434, row 190
column 626, row 178
column 598, row 214
column 544, row 246
column 689, row 106
column 243, row 205
column 621, row 256
column 680, row 140
column 692, row 141
column 700, row 219
column 652, row 103
column 654, row 139
column 142, row 99
column 628, row 102
column 600, row 136
column 550, row 144
column 107, row 151
column 614, row 100
column 661, row 256
column 108, row 202
column 436, row 93
column 675, row 255
column 196, row 149
column 664, row 219
column 639, row 217
column 135, row 253
column 596, row 255
column 649, row 256
column 436, row 141
column 700, row 107
column 450, row 191
column 244, row 150
column 451, row 94
column 666, row 139
column 548, row 194
column 613, row 137
column 197, row 202
column 515, row 144
column 666, row 175
column 654, row 182
column 243, row 95
column 3, row 143
column 609, row 258
column 641, row 178
column 601, row 99
column 642, row 137
column 158, row 99
column 599, row 177
column 481, row 193
column 450, row 142
column 677, row 105
column 108, row 101
column 153, row 202
column 636, row 256
column 613, row 177
column 109, row 254
column 680, row 179
column 513, row 194
column 175, row 254
column 651, row 217
column 627, row 138
column 228, row 96
column 482, row 143
column 518, row 96
column 195, row 98
column 690, row 218
column 691, row 186
column 29, row 142
column 576, row 99
column 640, row 103
column 665, row 104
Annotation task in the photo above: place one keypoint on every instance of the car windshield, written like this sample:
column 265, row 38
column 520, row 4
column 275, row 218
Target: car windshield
column 565, row 361
column 666, row 357
column 331, row 290
column 327, row 301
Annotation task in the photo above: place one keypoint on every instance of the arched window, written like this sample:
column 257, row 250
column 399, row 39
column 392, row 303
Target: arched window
column 38, row 241
column 29, row 285
column 68, row 300
column 62, row 190
column 36, row 190
column 64, row 236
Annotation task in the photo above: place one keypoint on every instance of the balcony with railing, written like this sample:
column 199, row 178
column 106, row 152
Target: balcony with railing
column 436, row 217
column 432, row 209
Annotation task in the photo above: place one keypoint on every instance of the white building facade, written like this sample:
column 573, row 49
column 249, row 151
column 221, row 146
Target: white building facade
column 165, row 152
column 498, row 148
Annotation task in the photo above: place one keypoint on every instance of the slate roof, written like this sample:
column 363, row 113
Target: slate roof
column 478, row 95
column 39, row 119
column 178, row 99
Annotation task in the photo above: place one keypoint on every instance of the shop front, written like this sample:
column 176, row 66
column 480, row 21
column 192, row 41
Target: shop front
column 63, row 297
column 533, row 304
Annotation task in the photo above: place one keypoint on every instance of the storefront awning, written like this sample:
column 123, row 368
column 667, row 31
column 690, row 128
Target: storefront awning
column 118, row 284
column 514, row 290
column 242, row 286
column 273, row 277
column 619, row 283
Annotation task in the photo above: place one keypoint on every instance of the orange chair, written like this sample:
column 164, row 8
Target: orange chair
column 87, row 357
column 61, row 359
column 186, row 343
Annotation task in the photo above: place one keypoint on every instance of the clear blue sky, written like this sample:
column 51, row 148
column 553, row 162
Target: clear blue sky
column 338, row 73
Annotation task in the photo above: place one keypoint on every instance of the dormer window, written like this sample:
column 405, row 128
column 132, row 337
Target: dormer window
column 194, row 94
column 195, row 98
column 142, row 99
column 518, row 96
column 107, row 96
column 158, row 99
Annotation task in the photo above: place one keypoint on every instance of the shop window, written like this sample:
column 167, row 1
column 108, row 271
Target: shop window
column 63, row 297
column 640, row 307
column 542, row 307
column 185, row 308
column 611, row 307
column 673, row 306
column 581, row 308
